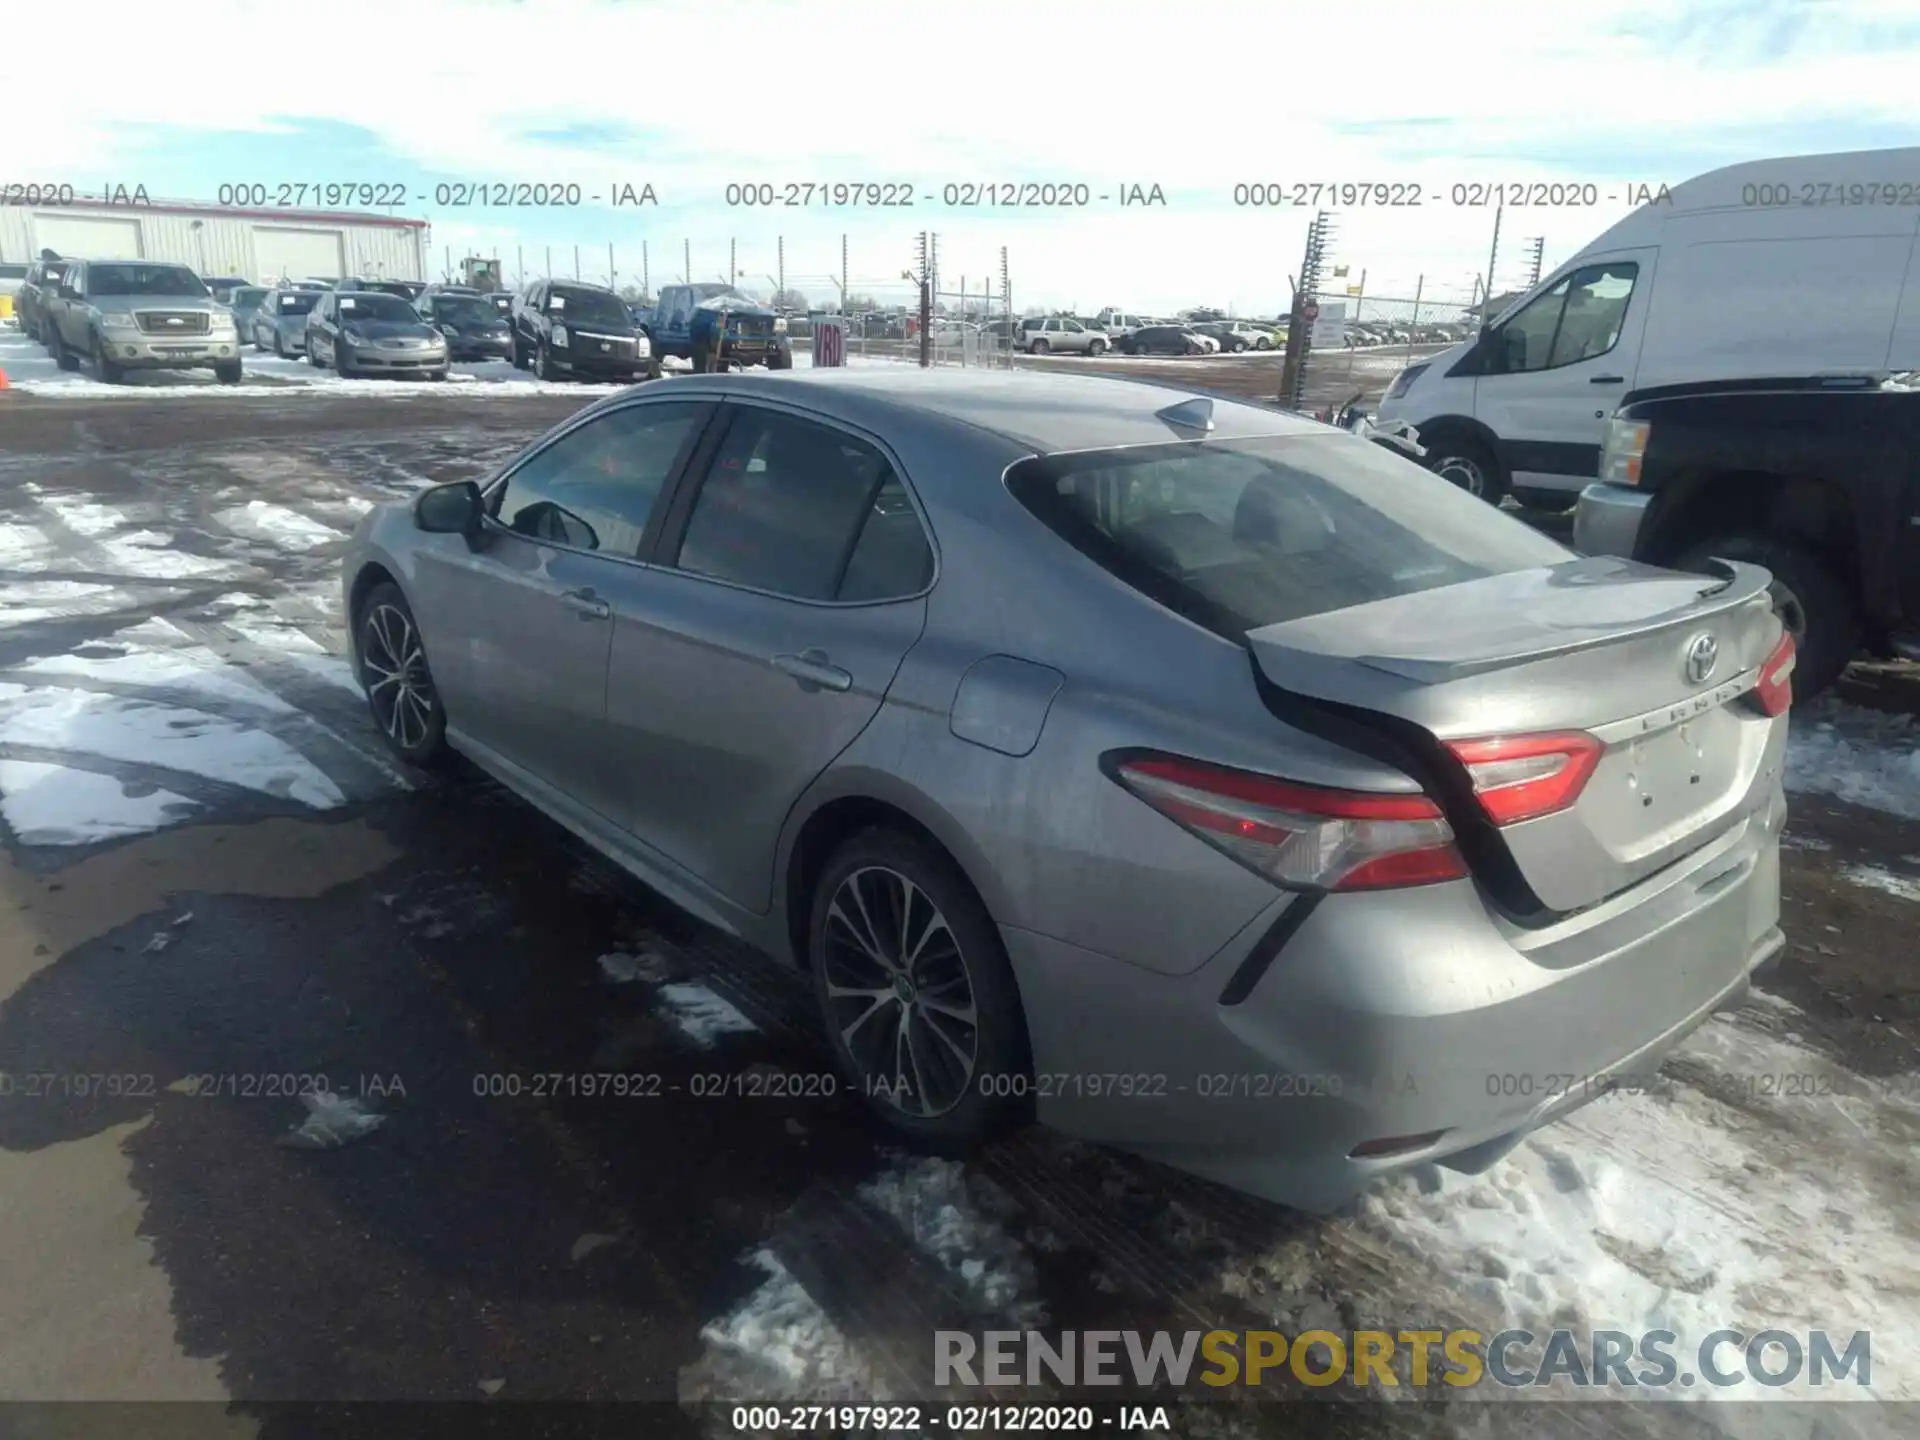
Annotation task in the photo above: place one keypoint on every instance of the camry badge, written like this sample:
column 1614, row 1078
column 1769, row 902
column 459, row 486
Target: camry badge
column 1703, row 653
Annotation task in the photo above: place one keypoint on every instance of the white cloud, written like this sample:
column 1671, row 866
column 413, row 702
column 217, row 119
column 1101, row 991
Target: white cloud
column 1553, row 75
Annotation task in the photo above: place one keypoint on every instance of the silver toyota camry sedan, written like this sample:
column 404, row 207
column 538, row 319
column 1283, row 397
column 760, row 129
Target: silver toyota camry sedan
column 1178, row 772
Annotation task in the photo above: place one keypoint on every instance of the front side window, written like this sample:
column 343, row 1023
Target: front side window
column 1242, row 534
column 596, row 487
column 804, row 510
column 1578, row 319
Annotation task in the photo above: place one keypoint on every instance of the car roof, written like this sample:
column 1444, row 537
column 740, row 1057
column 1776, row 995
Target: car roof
column 1043, row 411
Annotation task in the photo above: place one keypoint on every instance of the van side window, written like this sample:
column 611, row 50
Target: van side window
column 1576, row 320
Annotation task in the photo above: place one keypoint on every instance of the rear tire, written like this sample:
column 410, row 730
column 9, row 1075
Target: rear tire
column 1814, row 605
column 63, row 357
column 956, row 968
column 393, row 675
column 1467, row 463
column 1039, row 347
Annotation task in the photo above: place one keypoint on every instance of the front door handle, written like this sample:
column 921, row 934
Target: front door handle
column 814, row 671
column 586, row 604
column 1607, row 380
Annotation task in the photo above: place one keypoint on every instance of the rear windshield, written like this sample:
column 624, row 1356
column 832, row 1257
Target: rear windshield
column 468, row 309
column 143, row 280
column 297, row 302
column 1235, row 535
column 248, row 295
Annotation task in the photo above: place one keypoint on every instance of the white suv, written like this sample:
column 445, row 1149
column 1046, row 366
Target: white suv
column 1061, row 333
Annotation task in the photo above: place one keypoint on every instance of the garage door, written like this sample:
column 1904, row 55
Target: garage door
column 283, row 253
column 87, row 237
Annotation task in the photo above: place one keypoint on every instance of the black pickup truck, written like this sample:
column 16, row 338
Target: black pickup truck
column 1817, row 479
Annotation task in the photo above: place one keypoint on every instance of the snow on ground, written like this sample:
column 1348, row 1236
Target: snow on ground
column 1867, row 757
column 1875, row 877
column 28, row 602
column 54, row 805
column 277, row 525
column 702, row 1015
column 1764, row 1189
column 194, row 669
column 112, row 728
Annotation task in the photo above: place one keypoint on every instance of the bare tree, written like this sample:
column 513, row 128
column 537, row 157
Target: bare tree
column 790, row 299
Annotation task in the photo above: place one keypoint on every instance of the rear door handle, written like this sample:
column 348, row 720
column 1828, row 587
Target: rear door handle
column 814, row 671
column 586, row 604
column 1607, row 380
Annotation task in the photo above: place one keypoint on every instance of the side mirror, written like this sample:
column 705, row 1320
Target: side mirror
column 457, row 508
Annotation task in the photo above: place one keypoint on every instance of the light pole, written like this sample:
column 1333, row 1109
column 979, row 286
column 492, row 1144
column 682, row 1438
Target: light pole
column 200, row 244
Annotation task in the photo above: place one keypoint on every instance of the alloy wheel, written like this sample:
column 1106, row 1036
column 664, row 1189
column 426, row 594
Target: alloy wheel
column 398, row 685
column 899, row 992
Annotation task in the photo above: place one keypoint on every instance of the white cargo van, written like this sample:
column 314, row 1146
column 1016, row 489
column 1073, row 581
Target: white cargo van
column 1803, row 266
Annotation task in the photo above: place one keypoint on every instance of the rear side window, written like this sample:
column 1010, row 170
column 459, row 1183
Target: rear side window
column 804, row 510
column 1235, row 535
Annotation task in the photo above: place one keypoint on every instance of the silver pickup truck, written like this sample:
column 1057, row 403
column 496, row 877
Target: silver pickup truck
column 123, row 315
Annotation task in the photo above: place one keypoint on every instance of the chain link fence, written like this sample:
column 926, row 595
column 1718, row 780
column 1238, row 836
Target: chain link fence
column 1363, row 341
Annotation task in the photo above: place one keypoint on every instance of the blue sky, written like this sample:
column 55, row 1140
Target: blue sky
column 689, row 96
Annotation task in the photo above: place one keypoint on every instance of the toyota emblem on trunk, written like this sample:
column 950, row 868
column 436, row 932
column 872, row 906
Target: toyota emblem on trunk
column 1703, row 653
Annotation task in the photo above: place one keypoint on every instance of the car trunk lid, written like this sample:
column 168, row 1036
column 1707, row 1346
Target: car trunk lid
column 1651, row 664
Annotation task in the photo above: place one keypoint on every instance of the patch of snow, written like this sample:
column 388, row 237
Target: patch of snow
column 23, row 549
column 154, row 631
column 1866, row 757
column 277, row 525
column 333, row 1120
column 778, row 1344
column 196, row 669
column 933, row 1201
column 702, row 1015
column 330, row 668
column 139, row 732
column 83, row 517
column 1873, row 877
column 140, row 559
column 237, row 600
column 278, row 635
column 1766, row 1188
column 54, row 805
column 1791, row 841
column 647, row 968
column 26, row 602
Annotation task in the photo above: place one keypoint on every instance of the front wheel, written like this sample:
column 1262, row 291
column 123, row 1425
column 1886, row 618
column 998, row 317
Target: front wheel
column 109, row 372
column 1468, row 464
column 919, row 1002
column 1816, row 608
column 1097, row 349
column 229, row 373
column 396, row 681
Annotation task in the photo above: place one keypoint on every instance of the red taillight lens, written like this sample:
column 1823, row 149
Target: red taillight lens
column 1774, row 688
column 1522, row 777
column 1301, row 835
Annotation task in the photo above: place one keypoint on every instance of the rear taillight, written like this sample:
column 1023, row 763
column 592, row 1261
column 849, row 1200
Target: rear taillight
column 1302, row 836
column 1522, row 777
column 1774, row 688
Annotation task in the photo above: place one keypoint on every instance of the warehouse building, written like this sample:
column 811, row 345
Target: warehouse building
column 262, row 245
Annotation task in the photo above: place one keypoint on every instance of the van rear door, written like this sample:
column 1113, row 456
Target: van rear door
column 1552, row 373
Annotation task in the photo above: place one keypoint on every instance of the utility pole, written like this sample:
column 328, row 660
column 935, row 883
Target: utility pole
column 1493, row 257
column 686, row 262
column 548, row 272
column 923, row 253
column 519, row 267
column 1536, row 257
column 843, row 274
column 779, row 268
column 1006, row 298
column 1306, row 310
column 646, row 274
column 613, row 275
column 733, row 261
column 576, row 262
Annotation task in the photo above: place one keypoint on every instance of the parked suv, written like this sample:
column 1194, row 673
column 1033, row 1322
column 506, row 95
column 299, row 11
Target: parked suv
column 568, row 330
column 1117, row 323
column 1061, row 333
column 140, row 315
column 42, row 284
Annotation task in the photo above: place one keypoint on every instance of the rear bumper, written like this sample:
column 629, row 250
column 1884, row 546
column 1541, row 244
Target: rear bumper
column 1608, row 519
column 1398, row 1014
